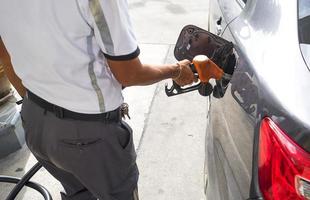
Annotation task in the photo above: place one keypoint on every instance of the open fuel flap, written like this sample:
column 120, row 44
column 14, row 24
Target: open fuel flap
column 212, row 58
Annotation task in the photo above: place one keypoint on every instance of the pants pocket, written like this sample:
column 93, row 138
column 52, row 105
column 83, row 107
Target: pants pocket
column 129, row 148
column 125, row 136
column 80, row 143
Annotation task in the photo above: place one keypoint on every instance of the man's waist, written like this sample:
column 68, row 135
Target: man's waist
column 64, row 113
column 80, row 98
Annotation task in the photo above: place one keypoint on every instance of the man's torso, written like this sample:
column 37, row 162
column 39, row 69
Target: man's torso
column 54, row 52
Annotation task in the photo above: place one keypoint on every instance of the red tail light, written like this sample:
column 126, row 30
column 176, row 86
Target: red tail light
column 284, row 167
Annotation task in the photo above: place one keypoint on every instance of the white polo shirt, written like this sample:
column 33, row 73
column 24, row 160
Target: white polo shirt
column 59, row 49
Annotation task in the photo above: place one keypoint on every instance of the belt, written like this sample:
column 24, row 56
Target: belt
column 62, row 113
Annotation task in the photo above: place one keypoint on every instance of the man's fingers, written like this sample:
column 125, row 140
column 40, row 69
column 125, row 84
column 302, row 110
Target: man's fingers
column 187, row 76
column 185, row 62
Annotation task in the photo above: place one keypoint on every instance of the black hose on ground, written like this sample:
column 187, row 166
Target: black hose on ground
column 24, row 181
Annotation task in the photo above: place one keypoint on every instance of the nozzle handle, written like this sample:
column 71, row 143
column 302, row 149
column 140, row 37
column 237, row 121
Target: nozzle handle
column 207, row 69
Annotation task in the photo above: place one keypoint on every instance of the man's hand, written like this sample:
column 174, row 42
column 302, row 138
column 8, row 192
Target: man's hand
column 185, row 76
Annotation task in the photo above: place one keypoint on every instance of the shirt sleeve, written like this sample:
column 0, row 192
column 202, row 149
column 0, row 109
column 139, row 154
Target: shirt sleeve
column 113, row 29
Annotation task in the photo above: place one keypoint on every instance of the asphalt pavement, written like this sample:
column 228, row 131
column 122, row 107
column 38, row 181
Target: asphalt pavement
column 169, row 133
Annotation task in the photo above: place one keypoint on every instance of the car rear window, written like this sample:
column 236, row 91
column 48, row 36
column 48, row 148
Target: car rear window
column 304, row 29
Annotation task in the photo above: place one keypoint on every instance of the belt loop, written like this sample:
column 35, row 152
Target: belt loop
column 59, row 112
column 107, row 115
column 119, row 114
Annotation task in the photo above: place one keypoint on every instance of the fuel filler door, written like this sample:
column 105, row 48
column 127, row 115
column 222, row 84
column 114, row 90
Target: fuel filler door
column 195, row 43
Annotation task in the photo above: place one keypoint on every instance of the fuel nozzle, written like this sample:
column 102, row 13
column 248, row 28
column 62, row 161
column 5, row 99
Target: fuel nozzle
column 205, row 69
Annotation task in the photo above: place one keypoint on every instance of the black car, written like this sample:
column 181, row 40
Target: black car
column 258, row 136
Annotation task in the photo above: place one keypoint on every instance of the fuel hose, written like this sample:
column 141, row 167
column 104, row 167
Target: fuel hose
column 24, row 181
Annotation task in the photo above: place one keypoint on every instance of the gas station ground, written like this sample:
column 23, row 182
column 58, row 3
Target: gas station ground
column 169, row 133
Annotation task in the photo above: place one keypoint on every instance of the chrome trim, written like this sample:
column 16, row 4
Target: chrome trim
column 241, row 3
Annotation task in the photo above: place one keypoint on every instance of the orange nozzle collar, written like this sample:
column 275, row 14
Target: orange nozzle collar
column 207, row 69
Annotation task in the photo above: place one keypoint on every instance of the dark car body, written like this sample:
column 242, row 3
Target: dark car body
column 271, row 79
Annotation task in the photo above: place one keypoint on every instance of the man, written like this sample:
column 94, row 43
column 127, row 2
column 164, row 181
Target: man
column 74, row 57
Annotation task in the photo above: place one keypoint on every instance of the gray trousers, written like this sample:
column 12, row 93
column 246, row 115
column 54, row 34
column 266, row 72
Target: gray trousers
column 91, row 159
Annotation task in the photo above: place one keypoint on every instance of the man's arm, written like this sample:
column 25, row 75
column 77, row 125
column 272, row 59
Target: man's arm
column 132, row 72
column 113, row 32
column 8, row 68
